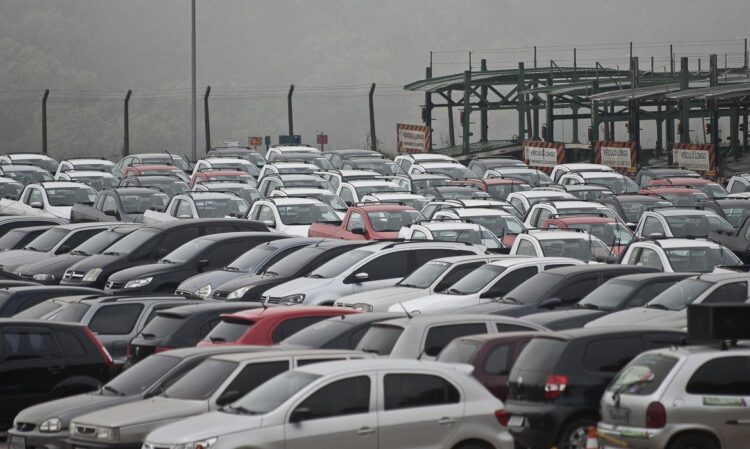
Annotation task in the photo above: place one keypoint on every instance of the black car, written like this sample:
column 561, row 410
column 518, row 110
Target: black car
column 11, row 222
column 148, row 244
column 343, row 332
column 50, row 271
column 300, row 263
column 648, row 174
column 631, row 207
column 196, row 256
column 146, row 380
column 622, row 292
column 16, row 299
column 168, row 184
column 558, row 380
column 19, row 237
column 555, row 289
column 40, row 361
column 180, row 327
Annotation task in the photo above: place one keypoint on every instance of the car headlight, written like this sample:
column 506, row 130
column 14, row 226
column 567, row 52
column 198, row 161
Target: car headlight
column 99, row 433
column 293, row 299
column 107, row 433
column 44, row 277
column 51, row 425
column 92, row 275
column 204, row 292
column 137, row 283
column 362, row 307
column 239, row 293
column 201, row 444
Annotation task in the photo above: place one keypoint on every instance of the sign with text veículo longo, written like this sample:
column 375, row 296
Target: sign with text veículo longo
column 621, row 156
column 412, row 138
column 701, row 158
column 543, row 155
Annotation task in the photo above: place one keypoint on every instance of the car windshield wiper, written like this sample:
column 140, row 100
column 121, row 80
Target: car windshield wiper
column 315, row 276
column 112, row 390
column 111, row 253
column 508, row 300
column 30, row 248
column 271, row 273
column 167, row 261
column 657, row 306
column 453, row 291
column 587, row 305
column 237, row 409
column 147, row 335
column 231, row 268
column 408, row 285
column 217, row 339
column 370, row 351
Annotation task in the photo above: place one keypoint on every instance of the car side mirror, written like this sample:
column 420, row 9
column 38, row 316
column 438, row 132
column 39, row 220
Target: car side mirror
column 433, row 351
column 361, row 277
column 201, row 264
column 300, row 414
column 270, row 223
column 551, row 303
column 161, row 252
column 358, row 231
column 37, row 205
column 228, row 396
column 111, row 213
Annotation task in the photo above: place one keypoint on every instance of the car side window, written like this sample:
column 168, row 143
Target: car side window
column 109, row 204
column 266, row 214
column 388, row 266
column 510, row 281
column 648, row 258
column 418, row 235
column 347, row 195
column 249, row 378
column 355, row 221
column 438, row 337
column 503, row 327
column 648, row 292
column 291, row 326
column 71, row 344
column 115, row 319
column 457, row 273
column 525, row 248
column 609, row 355
column 221, row 254
column 76, row 238
column 652, row 226
column 344, row 397
column 518, row 204
column 543, row 215
column 576, row 289
column 725, row 376
column 23, row 345
column 497, row 362
column 183, row 209
column 422, row 256
column 35, row 196
column 417, row 390
column 734, row 293
column 172, row 240
column 737, row 186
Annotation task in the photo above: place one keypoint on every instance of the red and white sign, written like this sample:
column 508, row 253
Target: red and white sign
column 696, row 157
column 622, row 156
column 543, row 156
column 254, row 141
column 413, row 138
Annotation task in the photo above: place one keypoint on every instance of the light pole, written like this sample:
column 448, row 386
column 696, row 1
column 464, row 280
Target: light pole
column 194, row 105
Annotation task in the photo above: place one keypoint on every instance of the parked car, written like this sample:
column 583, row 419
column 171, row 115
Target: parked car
column 531, row 176
column 276, row 181
column 630, row 208
column 342, row 332
column 678, row 255
column 563, row 169
column 42, row 161
column 452, row 169
column 524, row 201
column 199, row 205
column 681, row 223
column 368, row 222
column 453, row 192
column 226, row 163
column 497, row 188
column 10, row 188
column 17, row 298
column 480, row 165
column 557, row 381
column 293, row 216
column 42, row 360
column 169, row 185
column 353, row 191
column 584, row 192
column 209, row 252
column 543, row 210
column 337, row 157
column 452, row 231
column 216, row 382
column 407, row 160
column 383, row 166
column 267, row 326
column 503, row 224
column 733, row 210
column 612, row 232
column 88, row 164
column 736, row 240
column 19, row 222
column 26, row 174
column 164, row 158
column 323, row 195
column 679, row 196
column 710, row 188
column 418, row 181
column 648, row 174
column 417, row 202
column 49, row 199
column 213, row 176
column 146, row 245
column 240, row 152
column 245, row 191
column 615, row 182
column 155, row 169
column 120, row 204
column 558, row 243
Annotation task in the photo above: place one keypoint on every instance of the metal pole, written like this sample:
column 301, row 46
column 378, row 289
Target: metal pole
column 671, row 60
column 44, row 120
column 744, row 131
column 521, row 101
column 745, row 55
column 451, row 128
column 483, row 109
column 373, row 138
column 631, row 51
column 685, row 102
column 535, row 102
column 714, row 114
column 126, row 124
column 290, row 110
column 467, row 112
column 594, row 113
column 207, row 119
column 194, row 105
column 428, row 106
column 550, row 135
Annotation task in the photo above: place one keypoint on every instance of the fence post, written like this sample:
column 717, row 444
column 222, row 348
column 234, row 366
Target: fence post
column 44, row 121
column 126, row 124
column 206, row 119
column 373, row 138
column 290, row 111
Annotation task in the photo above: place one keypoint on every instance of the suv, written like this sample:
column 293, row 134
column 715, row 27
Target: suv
column 377, row 265
column 40, row 361
column 680, row 223
column 678, row 255
column 557, row 381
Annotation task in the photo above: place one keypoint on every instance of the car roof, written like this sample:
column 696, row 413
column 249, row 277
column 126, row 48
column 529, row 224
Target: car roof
column 600, row 174
column 477, row 211
column 685, row 180
column 280, row 351
column 375, row 207
column 255, row 314
column 191, row 222
column 582, row 166
column 209, row 351
column 209, row 173
column 583, row 219
column 597, row 268
column 503, row 336
column 40, row 323
column 28, row 156
column 61, row 184
column 233, row 160
column 196, row 309
column 671, row 243
column 22, row 167
column 395, row 195
column 74, row 173
column 76, row 226
column 626, row 198
column 680, row 211
column 371, row 182
column 154, row 167
column 733, row 202
column 644, row 277
column 426, row 320
column 555, row 235
column 588, row 332
column 669, row 189
column 544, row 193
column 369, row 317
column 291, row 201
column 83, row 160
column 232, row 235
column 719, row 277
column 575, row 204
column 439, row 226
column 376, row 364
column 415, row 176
column 524, row 259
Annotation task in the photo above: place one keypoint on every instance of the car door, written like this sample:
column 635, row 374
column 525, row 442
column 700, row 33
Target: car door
column 113, row 325
column 338, row 415
column 418, row 410
column 247, row 379
column 382, row 271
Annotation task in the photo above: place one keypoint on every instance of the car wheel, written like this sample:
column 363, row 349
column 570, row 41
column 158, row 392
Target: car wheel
column 574, row 435
column 472, row 445
column 694, row 441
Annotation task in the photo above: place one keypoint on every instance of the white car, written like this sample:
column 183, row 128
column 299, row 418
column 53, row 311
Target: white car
column 578, row 245
column 36, row 159
column 563, row 169
column 739, row 184
column 275, row 182
column 500, row 222
column 88, row 164
column 199, row 205
column 336, row 178
column 452, row 169
column 243, row 190
column 323, row 195
column 679, row 255
column 531, row 176
column 353, row 191
column 523, row 201
column 493, row 280
column 275, row 151
column 98, row 180
column 364, row 404
column 287, row 168
column 543, row 210
column 451, row 231
column 615, row 182
column 433, row 277
column 49, row 199
column 226, row 163
column 293, row 216
column 377, row 265
column 680, row 223
column 407, row 160
column 418, row 202
column 434, row 206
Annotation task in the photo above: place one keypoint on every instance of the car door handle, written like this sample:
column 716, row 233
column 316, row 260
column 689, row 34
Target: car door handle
column 365, row 431
column 55, row 369
column 445, row 421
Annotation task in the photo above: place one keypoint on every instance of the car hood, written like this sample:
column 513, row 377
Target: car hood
column 432, row 301
column 17, row 257
column 249, row 280
column 297, row 230
column 145, row 411
column 60, row 211
column 643, row 316
column 68, row 408
column 207, row 425
column 385, row 296
column 54, row 265
column 212, row 278
column 141, row 271
column 565, row 319
column 98, row 261
column 299, row 285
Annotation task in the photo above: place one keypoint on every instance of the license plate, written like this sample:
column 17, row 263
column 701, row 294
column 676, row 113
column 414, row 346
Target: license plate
column 15, row 442
column 516, row 421
column 619, row 415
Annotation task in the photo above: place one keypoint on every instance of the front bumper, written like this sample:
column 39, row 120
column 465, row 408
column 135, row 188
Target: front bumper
column 36, row 440
column 81, row 444
column 614, row 436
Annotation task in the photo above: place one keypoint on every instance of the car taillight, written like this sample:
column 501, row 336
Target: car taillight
column 100, row 347
column 502, row 417
column 163, row 348
column 656, row 416
column 554, row 386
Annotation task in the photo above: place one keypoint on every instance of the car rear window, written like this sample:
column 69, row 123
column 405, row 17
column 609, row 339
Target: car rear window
column 71, row 313
column 541, row 354
column 459, row 351
column 38, row 311
column 380, row 339
column 644, row 375
column 141, row 376
column 162, row 325
column 200, row 382
column 228, row 330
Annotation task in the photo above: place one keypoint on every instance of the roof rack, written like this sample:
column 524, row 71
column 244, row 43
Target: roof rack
column 396, row 242
column 579, row 214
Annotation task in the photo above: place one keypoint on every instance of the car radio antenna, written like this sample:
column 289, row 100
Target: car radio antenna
column 405, row 311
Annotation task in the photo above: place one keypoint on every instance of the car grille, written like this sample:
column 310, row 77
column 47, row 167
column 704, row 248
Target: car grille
column 115, row 285
column 85, row 431
column 73, row 275
column 348, row 306
column 270, row 300
column 220, row 295
column 25, row 426
column 183, row 293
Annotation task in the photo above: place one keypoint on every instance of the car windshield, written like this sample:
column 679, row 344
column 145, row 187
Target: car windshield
column 177, row 161
column 47, row 240
column 459, row 351
column 291, row 264
column 26, row 176
column 609, row 296
column 245, row 179
column 678, row 296
column 228, row 330
column 271, row 394
column 464, row 194
column 382, row 166
column 11, row 190
column 481, row 236
column 736, row 215
column 634, row 209
column 601, row 210
column 392, row 220
column 534, row 288
column 314, row 183
column 98, row 183
column 247, row 167
column 68, row 196
column 330, row 199
column 106, row 168
column 69, row 313
column 644, row 375
column 166, row 172
column 700, row 259
column 249, row 194
column 534, row 178
column 425, row 275
column 610, row 233
column 499, row 224
column 132, row 241
column 417, row 184
column 713, row 190
column 138, row 203
column 221, row 207
column 588, row 194
column 200, row 382
column 305, row 214
column 501, row 191
column 380, row 339
column 252, row 258
column 454, row 171
column 12, row 239
column 684, row 199
column 696, row 225
column 476, row 280
column 141, row 376
column 617, row 185
column 368, row 190
column 339, row 264
column 97, row 243
column 300, row 170
column 582, row 249
column 49, row 165
column 171, row 187
column 188, row 251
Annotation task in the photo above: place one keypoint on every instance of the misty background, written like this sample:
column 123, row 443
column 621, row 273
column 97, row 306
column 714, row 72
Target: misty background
column 90, row 52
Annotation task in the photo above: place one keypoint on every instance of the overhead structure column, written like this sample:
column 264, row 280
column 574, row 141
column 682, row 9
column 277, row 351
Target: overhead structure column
column 483, row 107
column 594, row 112
column 574, row 107
column 684, row 102
column 714, row 113
column 550, row 134
column 535, row 102
column 521, row 86
column 451, row 128
column 428, row 105
column 467, row 112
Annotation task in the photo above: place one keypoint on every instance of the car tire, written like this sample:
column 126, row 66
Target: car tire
column 574, row 434
column 694, row 441
column 472, row 445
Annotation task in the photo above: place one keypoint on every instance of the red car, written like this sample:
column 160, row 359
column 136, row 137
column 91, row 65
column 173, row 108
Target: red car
column 163, row 170
column 498, row 189
column 610, row 231
column 710, row 188
column 221, row 176
column 368, row 222
column 678, row 196
column 268, row 326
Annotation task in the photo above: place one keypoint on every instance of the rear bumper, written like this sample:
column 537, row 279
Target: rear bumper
column 540, row 426
column 632, row 437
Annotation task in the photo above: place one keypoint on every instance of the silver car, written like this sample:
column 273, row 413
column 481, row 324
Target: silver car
column 216, row 382
column 366, row 404
column 690, row 397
